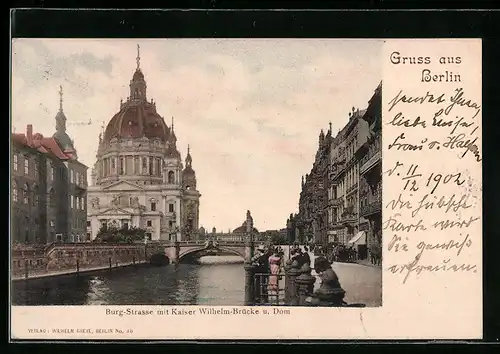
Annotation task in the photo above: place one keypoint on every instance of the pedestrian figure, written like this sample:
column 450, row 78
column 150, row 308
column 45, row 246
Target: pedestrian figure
column 273, row 285
column 261, row 263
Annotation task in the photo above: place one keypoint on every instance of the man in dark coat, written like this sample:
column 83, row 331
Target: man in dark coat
column 261, row 263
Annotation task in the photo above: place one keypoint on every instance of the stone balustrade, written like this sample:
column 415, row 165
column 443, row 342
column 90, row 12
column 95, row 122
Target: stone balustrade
column 299, row 285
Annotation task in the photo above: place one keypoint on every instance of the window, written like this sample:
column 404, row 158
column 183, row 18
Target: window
column 88, row 223
column 136, row 164
column 122, row 163
column 153, row 206
column 170, row 224
column 148, row 235
column 171, row 177
column 16, row 162
column 26, row 165
column 72, row 176
column 171, row 207
column 71, row 201
column 35, row 196
column 14, row 192
column 125, row 225
column 144, row 164
column 51, row 172
column 88, row 236
column 158, row 167
column 149, row 223
column 26, row 193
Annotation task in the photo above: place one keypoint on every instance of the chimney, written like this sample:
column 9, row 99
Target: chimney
column 29, row 135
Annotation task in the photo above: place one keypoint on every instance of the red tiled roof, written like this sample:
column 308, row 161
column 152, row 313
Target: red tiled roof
column 45, row 145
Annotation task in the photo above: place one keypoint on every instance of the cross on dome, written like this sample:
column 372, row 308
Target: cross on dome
column 138, row 59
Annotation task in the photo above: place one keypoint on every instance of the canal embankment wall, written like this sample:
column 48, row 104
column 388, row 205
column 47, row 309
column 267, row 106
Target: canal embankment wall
column 79, row 258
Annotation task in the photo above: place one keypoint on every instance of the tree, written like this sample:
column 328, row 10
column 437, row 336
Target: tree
column 113, row 234
column 277, row 238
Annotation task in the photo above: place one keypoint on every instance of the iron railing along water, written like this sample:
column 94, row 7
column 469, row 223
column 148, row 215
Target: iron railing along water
column 263, row 295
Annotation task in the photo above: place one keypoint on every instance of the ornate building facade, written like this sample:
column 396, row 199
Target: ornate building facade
column 311, row 223
column 340, row 200
column 49, row 187
column 344, row 178
column 139, row 179
column 370, row 169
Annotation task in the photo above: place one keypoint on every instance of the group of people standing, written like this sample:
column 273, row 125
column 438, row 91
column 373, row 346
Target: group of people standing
column 268, row 263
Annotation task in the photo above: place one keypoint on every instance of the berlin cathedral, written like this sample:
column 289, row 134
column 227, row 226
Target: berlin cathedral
column 139, row 179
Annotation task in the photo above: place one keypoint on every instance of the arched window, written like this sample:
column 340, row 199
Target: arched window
column 171, row 177
column 15, row 195
column 26, row 194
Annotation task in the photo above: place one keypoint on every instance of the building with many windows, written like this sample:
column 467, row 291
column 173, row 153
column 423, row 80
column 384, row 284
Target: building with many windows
column 311, row 223
column 49, row 187
column 341, row 198
column 139, row 179
column 370, row 171
column 344, row 178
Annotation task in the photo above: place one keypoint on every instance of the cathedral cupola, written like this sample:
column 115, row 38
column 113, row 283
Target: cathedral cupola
column 137, row 117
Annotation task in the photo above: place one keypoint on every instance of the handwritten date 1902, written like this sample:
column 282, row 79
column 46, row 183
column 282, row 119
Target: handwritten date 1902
column 438, row 178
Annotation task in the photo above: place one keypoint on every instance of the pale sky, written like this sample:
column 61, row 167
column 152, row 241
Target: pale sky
column 251, row 110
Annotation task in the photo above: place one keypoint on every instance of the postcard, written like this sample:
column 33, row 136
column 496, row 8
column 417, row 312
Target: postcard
column 183, row 189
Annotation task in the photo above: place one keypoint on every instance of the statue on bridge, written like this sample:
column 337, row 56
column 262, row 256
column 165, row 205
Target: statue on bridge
column 210, row 243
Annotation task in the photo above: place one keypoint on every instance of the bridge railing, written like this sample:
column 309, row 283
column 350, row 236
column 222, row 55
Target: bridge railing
column 269, row 289
column 198, row 242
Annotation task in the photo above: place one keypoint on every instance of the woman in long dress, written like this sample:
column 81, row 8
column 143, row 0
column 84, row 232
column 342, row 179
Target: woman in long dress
column 273, row 285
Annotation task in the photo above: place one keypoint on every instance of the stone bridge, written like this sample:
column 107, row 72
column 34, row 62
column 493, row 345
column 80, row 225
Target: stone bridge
column 176, row 251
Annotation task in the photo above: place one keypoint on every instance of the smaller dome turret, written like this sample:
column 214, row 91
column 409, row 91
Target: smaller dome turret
column 189, row 176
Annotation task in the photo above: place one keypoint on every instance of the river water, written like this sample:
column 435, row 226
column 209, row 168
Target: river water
column 219, row 280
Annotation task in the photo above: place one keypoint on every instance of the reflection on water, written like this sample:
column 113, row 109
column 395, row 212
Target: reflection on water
column 218, row 280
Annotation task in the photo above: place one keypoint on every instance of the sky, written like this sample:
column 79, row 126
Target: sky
column 251, row 110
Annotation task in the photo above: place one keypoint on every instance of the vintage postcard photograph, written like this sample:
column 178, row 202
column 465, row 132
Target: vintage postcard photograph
column 159, row 186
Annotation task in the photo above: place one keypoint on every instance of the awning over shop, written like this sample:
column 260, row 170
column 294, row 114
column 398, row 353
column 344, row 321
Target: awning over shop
column 359, row 239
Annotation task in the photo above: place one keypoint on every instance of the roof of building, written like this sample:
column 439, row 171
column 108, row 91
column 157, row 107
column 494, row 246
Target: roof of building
column 243, row 229
column 137, row 119
column 42, row 144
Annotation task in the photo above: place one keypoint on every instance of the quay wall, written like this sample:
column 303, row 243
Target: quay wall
column 55, row 259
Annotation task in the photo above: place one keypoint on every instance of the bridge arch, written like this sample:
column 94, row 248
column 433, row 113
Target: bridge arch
column 236, row 251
